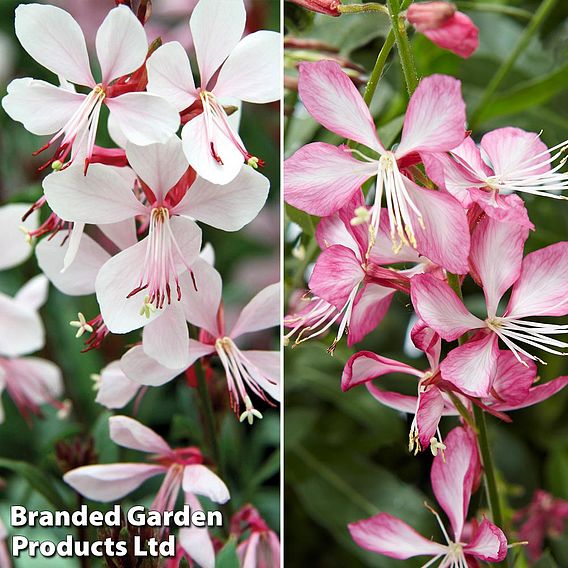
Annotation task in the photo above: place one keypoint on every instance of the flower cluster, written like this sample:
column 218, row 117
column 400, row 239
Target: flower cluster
column 436, row 211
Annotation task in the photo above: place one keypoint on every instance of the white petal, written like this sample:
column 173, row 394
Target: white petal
column 114, row 131
column 33, row 294
column 143, row 370
column 262, row 312
column 129, row 433
column 170, row 75
column 21, row 331
column 121, row 44
column 10, row 223
column 196, row 541
column 122, row 234
column 268, row 365
column 216, row 28
column 74, row 244
column 252, row 72
column 200, row 480
column 115, row 389
column 54, row 39
column 144, row 118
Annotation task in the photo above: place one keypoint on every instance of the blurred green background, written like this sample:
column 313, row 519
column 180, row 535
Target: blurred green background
column 248, row 261
column 346, row 455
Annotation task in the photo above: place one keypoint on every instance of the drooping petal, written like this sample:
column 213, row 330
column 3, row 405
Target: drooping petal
column 458, row 34
column 216, row 28
column 42, row 108
column 333, row 100
column 320, row 178
column 170, row 75
column 395, row 400
column 196, row 540
column 439, row 306
column 144, row 118
column 102, row 196
column 21, row 331
column 159, row 166
column 55, row 40
column 428, row 413
column 489, row 543
column 200, row 480
column 10, row 223
column 166, row 339
column 107, row 483
column 115, row 389
column 542, row 288
column 79, row 278
column 453, row 476
column 508, row 208
column 370, row 307
column 388, row 535
column 536, row 395
column 269, row 366
column 435, row 118
column 365, row 366
column 252, row 71
column 262, row 312
column 227, row 207
column 130, row 433
column 513, row 381
column 121, row 44
column 33, row 294
column 427, row 340
column 496, row 256
column 472, row 366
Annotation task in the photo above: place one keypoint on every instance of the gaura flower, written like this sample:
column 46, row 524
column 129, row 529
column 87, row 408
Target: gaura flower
column 453, row 477
column 182, row 468
column 445, row 26
column 114, row 388
column 247, row 371
column 321, row 178
column 54, row 39
column 245, row 69
column 509, row 160
column 538, row 289
column 10, row 227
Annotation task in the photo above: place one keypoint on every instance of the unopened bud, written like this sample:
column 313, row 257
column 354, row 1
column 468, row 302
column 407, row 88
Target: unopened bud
column 429, row 15
column 328, row 7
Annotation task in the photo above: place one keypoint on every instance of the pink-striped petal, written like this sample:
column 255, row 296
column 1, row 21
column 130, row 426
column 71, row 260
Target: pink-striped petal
column 428, row 413
column 536, row 395
column 262, row 312
column 489, row 543
column 130, row 433
column 512, row 380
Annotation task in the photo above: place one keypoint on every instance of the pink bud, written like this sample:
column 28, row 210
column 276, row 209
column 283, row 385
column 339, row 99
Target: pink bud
column 429, row 15
column 328, row 7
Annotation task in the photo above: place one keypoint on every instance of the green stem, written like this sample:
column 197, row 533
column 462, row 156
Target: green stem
column 378, row 68
column 540, row 15
column 208, row 415
column 359, row 8
column 495, row 9
column 403, row 45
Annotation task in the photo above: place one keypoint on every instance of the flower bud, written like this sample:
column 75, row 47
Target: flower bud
column 328, row 7
column 429, row 15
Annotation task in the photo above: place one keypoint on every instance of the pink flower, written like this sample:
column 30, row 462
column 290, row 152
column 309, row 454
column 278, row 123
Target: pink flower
column 55, row 40
column 114, row 388
column 11, row 226
column 257, row 372
column 183, row 470
column 443, row 25
column 538, row 289
column 508, row 160
column 453, row 478
column 328, row 7
column 245, row 69
column 321, row 178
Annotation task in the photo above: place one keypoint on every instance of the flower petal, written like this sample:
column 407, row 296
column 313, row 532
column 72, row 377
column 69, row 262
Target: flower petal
column 121, row 44
column 489, row 543
column 262, row 312
column 196, row 540
column 435, row 118
column 387, row 535
column 144, row 118
column 33, row 294
column 508, row 208
column 332, row 99
column 21, row 331
column 370, row 307
column 55, row 40
column 268, row 365
column 536, row 395
column 10, row 223
column 130, row 433
column 200, row 480
column 428, row 413
column 216, row 28
column 143, row 370
column 122, row 233
column 115, row 389
column 252, row 71
column 170, row 75
column 439, row 306
column 458, row 34
column 513, row 381
column 320, row 178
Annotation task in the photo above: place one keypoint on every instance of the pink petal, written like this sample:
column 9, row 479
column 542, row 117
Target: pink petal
column 115, row 389
column 262, row 312
column 472, row 366
column 536, row 395
column 387, row 535
column 160, row 166
column 107, row 483
column 489, row 543
column 542, row 288
column 371, row 306
column 382, row 251
column 216, row 28
column 458, row 35
column 196, row 540
column 508, row 208
column 55, row 40
column 453, row 475
column 10, row 223
column 444, row 236
column 227, row 207
column 103, row 196
column 427, row 340
column 366, row 366
column 200, row 480
column 428, row 413
column 143, row 370
column 320, row 178
column 332, row 230
column 333, row 100
column 512, row 149
column 395, row 400
column 335, row 275
column 439, row 306
column 170, row 75
column 258, row 83
column 129, row 433
column 144, row 118
column 513, row 380
column 496, row 256
column 21, row 331
column 435, row 118
column 268, row 365
column 28, row 100
column 121, row 44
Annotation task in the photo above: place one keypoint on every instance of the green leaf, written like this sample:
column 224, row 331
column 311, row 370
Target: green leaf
column 307, row 222
column 37, row 479
column 227, row 557
column 390, row 131
column 557, row 473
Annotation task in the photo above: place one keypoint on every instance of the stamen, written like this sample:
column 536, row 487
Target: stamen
column 82, row 325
